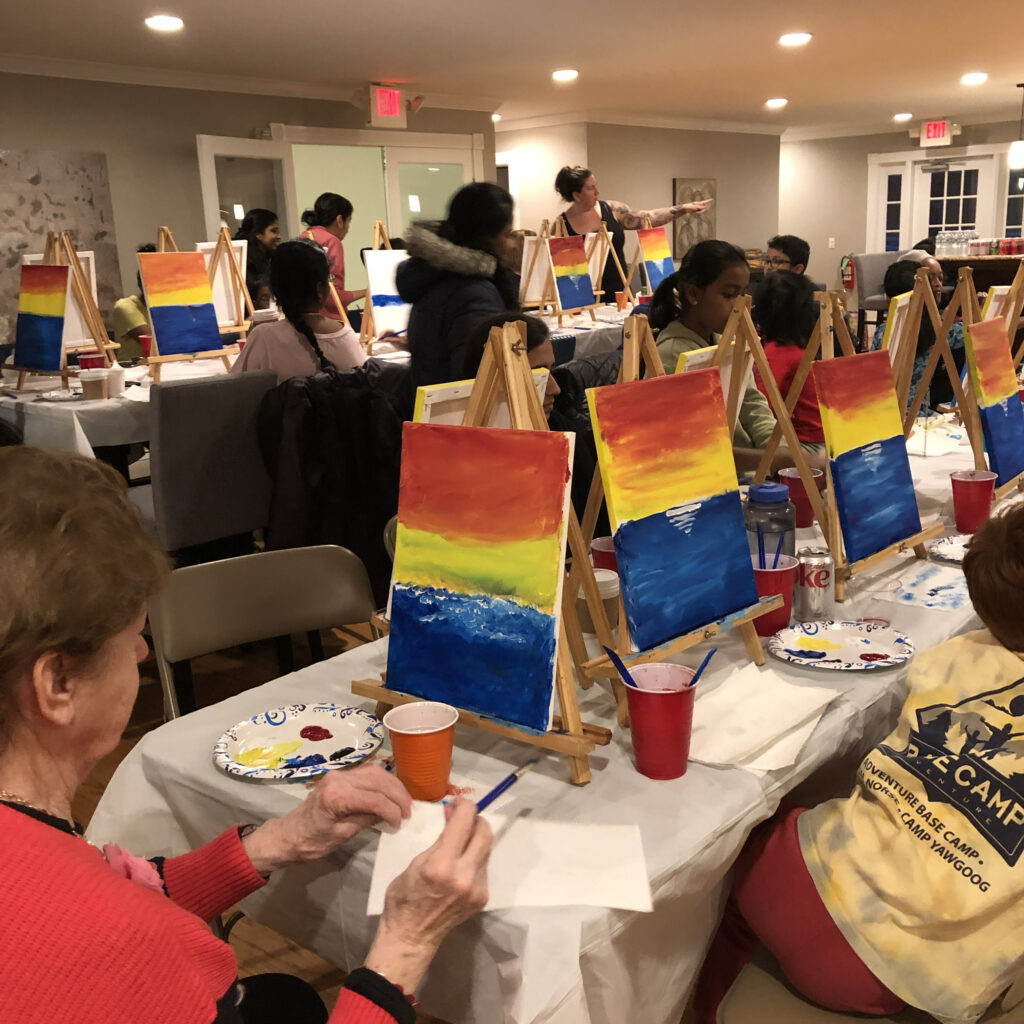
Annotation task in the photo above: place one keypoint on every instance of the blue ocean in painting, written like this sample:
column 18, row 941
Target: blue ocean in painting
column 875, row 497
column 684, row 568
column 182, row 329
column 481, row 653
column 38, row 341
column 575, row 290
column 1003, row 427
column 387, row 300
column 658, row 270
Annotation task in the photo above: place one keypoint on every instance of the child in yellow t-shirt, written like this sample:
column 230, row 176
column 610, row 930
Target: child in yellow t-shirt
column 911, row 890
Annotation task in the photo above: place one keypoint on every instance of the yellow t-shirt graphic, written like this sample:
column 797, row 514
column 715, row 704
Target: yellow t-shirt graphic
column 919, row 866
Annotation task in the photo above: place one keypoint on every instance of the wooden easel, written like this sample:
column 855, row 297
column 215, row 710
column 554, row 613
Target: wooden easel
column 1011, row 308
column 638, row 346
column 243, row 303
column 60, row 251
column 165, row 240
column 603, row 238
column 367, row 331
column 964, row 302
column 639, row 254
column 505, row 366
column 549, row 296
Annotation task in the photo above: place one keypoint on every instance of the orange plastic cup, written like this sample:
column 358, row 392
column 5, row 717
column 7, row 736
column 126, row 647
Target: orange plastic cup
column 422, row 736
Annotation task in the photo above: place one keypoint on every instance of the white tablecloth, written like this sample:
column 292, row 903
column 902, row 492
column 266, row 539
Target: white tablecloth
column 591, row 337
column 81, row 426
column 569, row 965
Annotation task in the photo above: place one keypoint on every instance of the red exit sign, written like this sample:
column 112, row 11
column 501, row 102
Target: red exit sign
column 936, row 133
column 387, row 108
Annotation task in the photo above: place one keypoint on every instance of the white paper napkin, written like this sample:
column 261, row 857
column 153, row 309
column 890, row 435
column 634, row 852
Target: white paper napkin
column 755, row 718
column 533, row 863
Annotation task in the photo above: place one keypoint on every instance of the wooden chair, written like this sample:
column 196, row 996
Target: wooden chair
column 272, row 594
column 762, row 995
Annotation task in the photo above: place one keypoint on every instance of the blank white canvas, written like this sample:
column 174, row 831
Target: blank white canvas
column 447, row 403
column 381, row 265
column 225, row 292
column 76, row 332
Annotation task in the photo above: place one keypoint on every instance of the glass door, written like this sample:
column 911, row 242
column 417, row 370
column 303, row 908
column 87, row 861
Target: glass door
column 421, row 181
column 955, row 195
column 237, row 175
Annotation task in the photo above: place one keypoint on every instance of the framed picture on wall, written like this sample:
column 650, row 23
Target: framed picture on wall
column 690, row 229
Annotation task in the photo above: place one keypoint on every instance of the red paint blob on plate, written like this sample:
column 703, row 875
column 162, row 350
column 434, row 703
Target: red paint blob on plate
column 874, row 657
column 315, row 733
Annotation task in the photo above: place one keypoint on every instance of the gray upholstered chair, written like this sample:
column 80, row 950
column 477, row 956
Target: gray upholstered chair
column 272, row 594
column 868, row 273
column 208, row 477
column 761, row 994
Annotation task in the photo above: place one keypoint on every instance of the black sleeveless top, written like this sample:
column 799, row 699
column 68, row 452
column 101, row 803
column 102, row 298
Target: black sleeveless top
column 610, row 281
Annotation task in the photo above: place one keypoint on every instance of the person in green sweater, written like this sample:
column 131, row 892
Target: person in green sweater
column 689, row 311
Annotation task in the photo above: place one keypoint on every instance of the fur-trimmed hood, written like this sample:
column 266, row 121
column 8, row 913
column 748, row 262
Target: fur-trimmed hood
column 434, row 257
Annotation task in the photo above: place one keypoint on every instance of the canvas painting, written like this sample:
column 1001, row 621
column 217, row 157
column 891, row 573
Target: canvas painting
column 180, row 302
column 690, row 229
column 76, row 330
column 657, row 257
column 868, row 456
column 702, row 358
column 39, row 332
column 665, row 453
column 896, row 325
column 479, row 557
column 994, row 382
column 572, row 272
column 390, row 311
column 447, row 403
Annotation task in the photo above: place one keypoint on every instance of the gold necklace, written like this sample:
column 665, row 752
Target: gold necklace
column 13, row 798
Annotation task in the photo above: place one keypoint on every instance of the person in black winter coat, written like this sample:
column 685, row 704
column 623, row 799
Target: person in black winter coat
column 455, row 277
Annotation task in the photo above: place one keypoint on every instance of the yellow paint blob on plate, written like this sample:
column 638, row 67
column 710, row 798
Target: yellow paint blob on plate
column 817, row 643
column 267, row 757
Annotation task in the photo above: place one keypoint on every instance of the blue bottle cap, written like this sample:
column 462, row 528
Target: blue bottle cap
column 769, row 493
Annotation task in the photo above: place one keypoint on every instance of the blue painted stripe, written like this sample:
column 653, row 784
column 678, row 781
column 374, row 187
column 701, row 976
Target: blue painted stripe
column 38, row 341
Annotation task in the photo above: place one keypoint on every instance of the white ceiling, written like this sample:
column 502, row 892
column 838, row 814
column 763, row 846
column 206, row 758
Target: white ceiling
column 671, row 62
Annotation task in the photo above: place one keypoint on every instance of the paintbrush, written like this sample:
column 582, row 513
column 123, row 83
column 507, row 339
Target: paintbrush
column 621, row 666
column 760, row 547
column 509, row 780
column 778, row 549
column 700, row 668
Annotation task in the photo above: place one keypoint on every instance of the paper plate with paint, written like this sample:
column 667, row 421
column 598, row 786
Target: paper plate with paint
column 951, row 549
column 59, row 396
column 298, row 742
column 842, row 646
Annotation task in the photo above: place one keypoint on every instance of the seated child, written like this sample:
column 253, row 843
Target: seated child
column 910, row 890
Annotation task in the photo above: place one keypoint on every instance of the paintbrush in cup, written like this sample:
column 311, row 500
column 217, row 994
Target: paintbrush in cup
column 621, row 666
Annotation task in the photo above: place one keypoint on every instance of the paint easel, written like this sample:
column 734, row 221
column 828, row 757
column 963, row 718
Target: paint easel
column 965, row 302
column 638, row 256
column 367, row 331
column 60, row 251
column 638, row 346
column 1011, row 308
column 505, row 366
column 549, row 295
column 165, row 243
column 602, row 237
column 237, row 287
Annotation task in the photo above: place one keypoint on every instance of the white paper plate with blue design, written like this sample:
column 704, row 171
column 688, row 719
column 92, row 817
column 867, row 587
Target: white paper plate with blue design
column 841, row 646
column 951, row 549
column 298, row 742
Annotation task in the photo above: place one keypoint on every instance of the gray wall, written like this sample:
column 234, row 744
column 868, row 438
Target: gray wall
column 823, row 188
column 637, row 165
column 149, row 137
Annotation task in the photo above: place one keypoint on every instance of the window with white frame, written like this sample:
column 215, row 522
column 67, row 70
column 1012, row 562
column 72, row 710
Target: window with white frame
column 1015, row 205
column 893, row 209
column 953, row 202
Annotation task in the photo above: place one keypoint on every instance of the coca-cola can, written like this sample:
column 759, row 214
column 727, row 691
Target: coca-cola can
column 814, row 596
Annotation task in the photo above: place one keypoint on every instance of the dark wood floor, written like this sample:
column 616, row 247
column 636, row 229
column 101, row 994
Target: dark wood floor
column 217, row 676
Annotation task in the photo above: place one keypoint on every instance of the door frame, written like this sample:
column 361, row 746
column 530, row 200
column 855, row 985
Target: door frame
column 991, row 209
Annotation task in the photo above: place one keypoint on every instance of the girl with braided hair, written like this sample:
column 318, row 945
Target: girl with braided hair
column 305, row 341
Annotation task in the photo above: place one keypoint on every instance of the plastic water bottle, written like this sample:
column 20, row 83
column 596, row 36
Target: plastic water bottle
column 768, row 504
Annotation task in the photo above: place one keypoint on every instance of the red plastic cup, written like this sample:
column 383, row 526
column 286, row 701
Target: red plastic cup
column 661, row 718
column 798, row 493
column 422, row 737
column 643, row 300
column 973, row 490
column 602, row 551
column 146, row 343
column 92, row 361
column 775, row 581
column 241, row 345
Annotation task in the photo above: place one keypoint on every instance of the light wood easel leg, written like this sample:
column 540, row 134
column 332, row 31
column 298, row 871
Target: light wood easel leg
column 752, row 642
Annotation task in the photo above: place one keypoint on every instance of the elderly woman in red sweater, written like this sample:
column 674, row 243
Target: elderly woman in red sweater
column 100, row 936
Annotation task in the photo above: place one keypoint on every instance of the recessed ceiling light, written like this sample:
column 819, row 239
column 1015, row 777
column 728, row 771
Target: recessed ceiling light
column 165, row 23
column 433, row 168
column 565, row 75
column 795, row 39
column 902, row 117
column 974, row 78
column 777, row 103
column 495, row 118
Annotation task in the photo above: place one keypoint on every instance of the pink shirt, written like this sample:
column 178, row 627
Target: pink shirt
column 279, row 347
column 336, row 259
